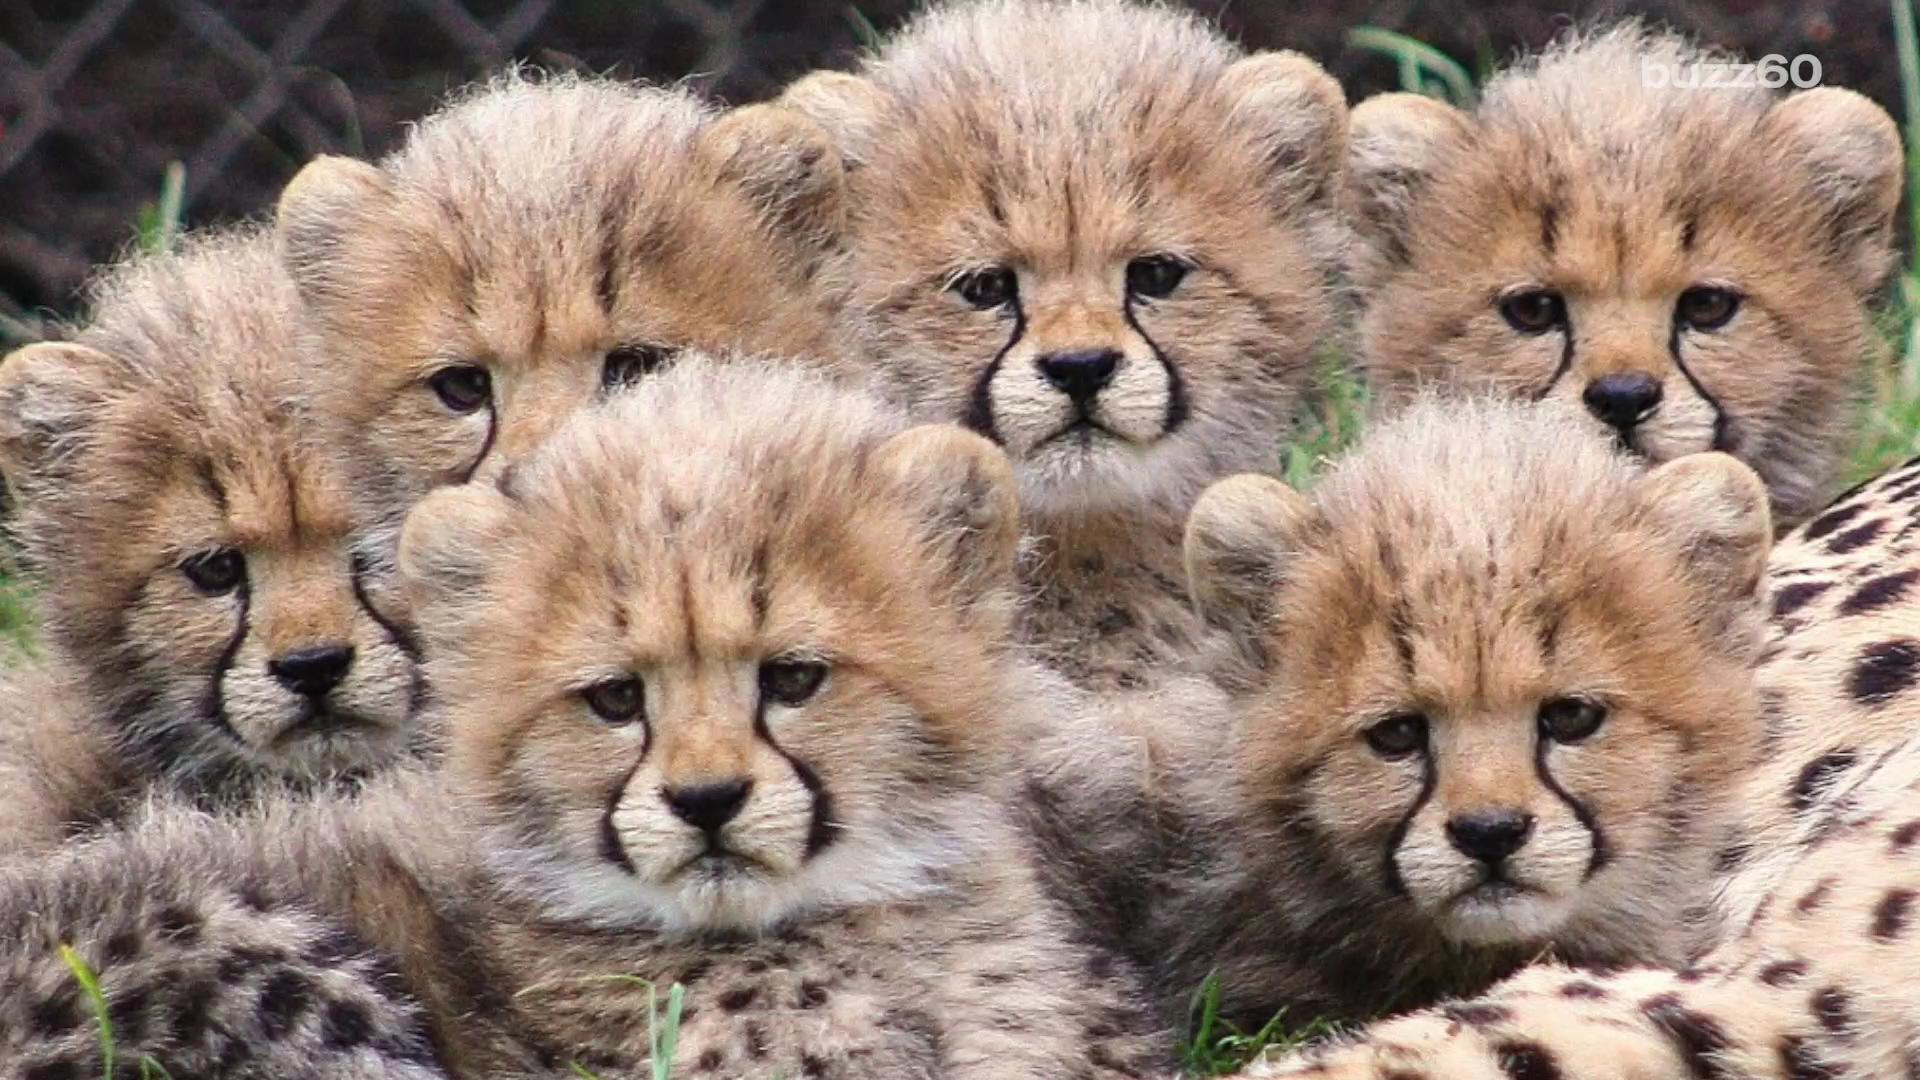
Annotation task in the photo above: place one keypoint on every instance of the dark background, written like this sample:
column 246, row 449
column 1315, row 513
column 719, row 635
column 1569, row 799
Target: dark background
column 98, row 96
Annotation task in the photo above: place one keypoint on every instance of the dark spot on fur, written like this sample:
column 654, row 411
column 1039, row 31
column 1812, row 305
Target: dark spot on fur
column 128, row 1014
column 1813, row 898
column 1834, row 1007
column 180, row 923
column 55, row 1015
column 738, row 998
column 190, row 1012
column 1905, row 835
column 756, row 1037
column 1581, row 988
column 812, row 1066
column 1792, row 598
column 1832, row 520
column 1884, row 669
column 1700, row 1037
column 1890, row 917
column 711, row 1061
column 1815, row 777
column 282, row 1000
column 1856, row 538
column 1729, row 858
column 1799, row 1062
column 120, row 947
column 346, row 1025
column 1783, row 972
column 812, row 995
column 52, row 1070
column 1879, row 592
column 1527, row 1061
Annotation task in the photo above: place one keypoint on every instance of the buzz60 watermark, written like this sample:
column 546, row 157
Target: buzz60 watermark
column 1772, row 71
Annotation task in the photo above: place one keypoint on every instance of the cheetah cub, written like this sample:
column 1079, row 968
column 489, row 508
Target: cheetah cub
column 731, row 700
column 1694, row 266
column 1491, row 700
column 206, row 622
column 536, row 245
column 1098, row 234
column 1817, row 982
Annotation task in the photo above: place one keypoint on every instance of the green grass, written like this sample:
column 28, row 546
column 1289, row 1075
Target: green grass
column 103, row 1023
column 1216, row 1047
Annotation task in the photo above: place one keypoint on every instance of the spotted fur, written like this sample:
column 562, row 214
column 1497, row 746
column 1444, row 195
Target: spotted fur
column 1128, row 323
column 1694, row 266
column 206, row 623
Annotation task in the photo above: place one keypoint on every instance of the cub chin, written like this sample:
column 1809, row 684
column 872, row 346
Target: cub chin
column 1490, row 698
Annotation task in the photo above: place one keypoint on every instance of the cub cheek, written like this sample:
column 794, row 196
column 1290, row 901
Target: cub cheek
column 777, row 826
column 1558, row 855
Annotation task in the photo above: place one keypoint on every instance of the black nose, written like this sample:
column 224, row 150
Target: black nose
column 1080, row 375
column 1490, row 836
column 1622, row 400
column 708, row 806
column 313, row 672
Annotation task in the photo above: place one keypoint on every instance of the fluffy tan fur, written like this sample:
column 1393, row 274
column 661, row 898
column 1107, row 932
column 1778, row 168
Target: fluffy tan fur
column 1484, row 623
column 727, row 576
column 1102, row 195
column 540, row 243
column 161, row 443
column 1713, row 247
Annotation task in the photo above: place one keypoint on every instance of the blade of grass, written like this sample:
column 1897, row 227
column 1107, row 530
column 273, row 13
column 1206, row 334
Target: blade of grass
column 1906, row 46
column 90, row 986
column 1417, row 60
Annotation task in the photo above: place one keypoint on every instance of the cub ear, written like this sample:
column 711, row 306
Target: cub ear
column 319, row 204
column 846, row 106
column 788, row 165
column 1241, row 535
column 1296, row 115
column 1395, row 143
column 448, row 542
column 963, row 487
column 50, row 393
column 1852, row 150
column 1717, row 509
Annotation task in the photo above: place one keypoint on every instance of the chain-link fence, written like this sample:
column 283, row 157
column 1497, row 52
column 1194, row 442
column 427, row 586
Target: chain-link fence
column 100, row 98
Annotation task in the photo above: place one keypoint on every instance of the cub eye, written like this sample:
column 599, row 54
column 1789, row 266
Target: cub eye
column 216, row 572
column 1398, row 735
column 791, row 682
column 1155, row 276
column 627, row 364
column 462, row 387
column 617, row 701
column 987, row 289
column 1534, row 311
column 1706, row 308
column 1569, row 720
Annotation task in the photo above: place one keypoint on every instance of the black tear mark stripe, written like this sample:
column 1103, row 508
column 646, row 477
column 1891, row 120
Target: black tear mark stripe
column 1566, row 358
column 979, row 414
column 486, row 444
column 1178, row 408
column 1429, row 776
column 611, row 848
column 1602, row 853
column 822, row 830
column 216, row 703
column 1719, row 410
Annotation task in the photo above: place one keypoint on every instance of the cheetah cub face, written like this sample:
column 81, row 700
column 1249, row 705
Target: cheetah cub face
column 723, row 651
column 196, row 548
column 1095, row 233
column 1494, row 673
column 1691, row 268
column 538, row 245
